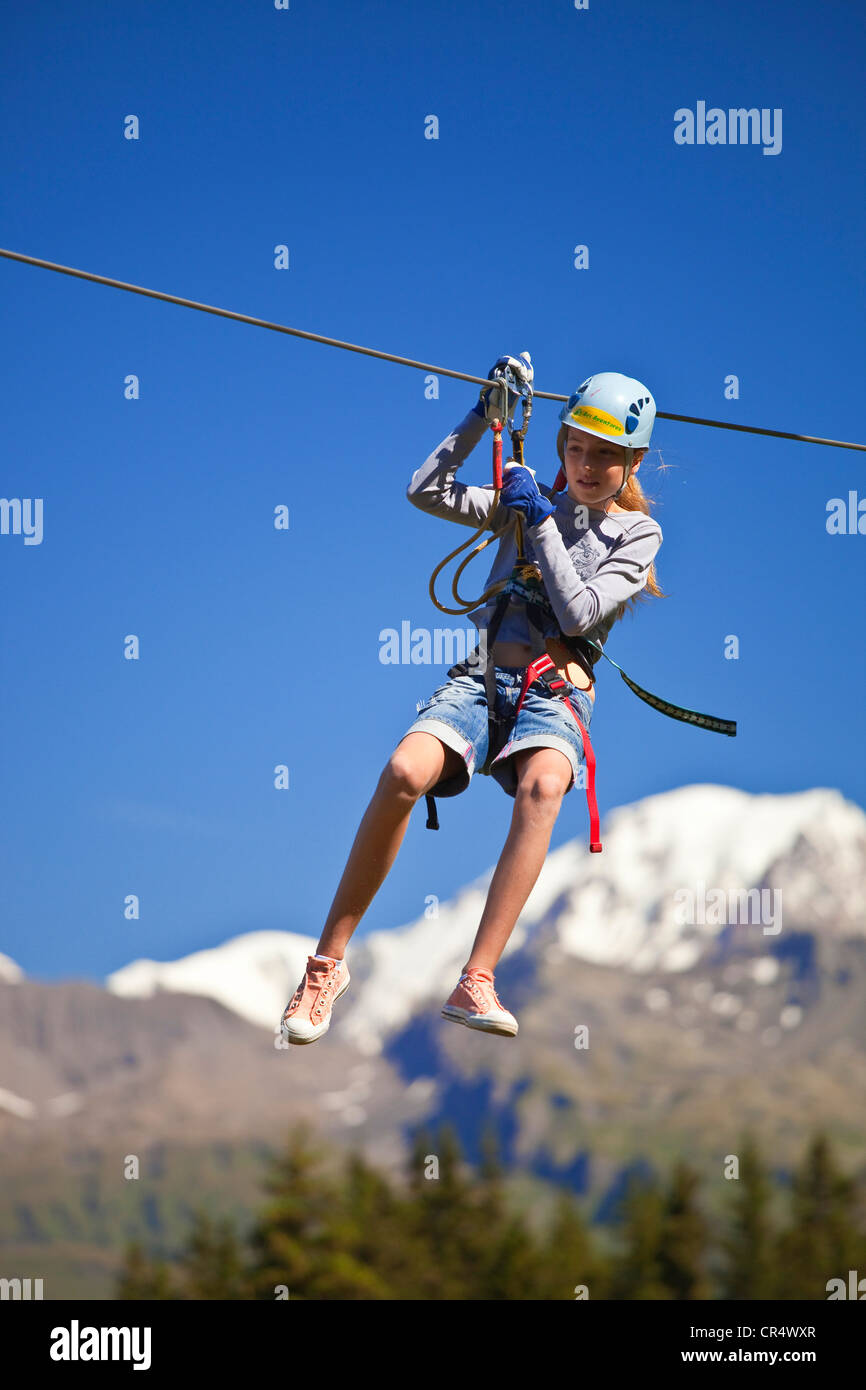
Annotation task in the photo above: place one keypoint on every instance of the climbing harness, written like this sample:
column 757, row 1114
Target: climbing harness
column 525, row 583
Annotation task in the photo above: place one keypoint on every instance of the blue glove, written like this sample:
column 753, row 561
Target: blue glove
column 520, row 492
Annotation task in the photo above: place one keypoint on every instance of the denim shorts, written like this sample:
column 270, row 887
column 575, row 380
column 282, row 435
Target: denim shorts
column 456, row 714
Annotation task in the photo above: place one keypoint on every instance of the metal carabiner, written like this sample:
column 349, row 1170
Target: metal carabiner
column 510, row 384
column 502, row 382
column 522, row 389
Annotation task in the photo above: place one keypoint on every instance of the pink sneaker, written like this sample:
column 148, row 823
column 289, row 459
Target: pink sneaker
column 476, row 1004
column 308, row 1013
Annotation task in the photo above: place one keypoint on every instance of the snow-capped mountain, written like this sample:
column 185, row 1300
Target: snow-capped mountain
column 248, row 974
column 10, row 973
column 650, row 906
column 678, row 870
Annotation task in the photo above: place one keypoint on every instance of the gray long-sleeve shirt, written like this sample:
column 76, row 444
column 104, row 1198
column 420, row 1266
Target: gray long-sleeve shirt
column 589, row 570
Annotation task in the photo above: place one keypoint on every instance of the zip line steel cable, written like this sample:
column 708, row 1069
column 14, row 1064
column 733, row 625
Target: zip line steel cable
column 723, row 726
column 389, row 356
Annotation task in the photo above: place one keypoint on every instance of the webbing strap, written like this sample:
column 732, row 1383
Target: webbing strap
column 537, row 670
column 688, row 716
column 525, row 586
column 589, row 755
column 535, row 621
column 494, row 720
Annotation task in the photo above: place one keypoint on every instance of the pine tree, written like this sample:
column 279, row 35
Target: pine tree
column 508, row 1261
column 142, row 1279
column 290, row 1242
column 822, row 1241
column 636, row 1273
column 568, row 1258
column 683, row 1239
column 416, row 1172
column 374, row 1259
column 748, row 1245
column 212, row 1265
column 444, row 1222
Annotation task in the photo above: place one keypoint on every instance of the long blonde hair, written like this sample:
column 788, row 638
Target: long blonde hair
column 631, row 499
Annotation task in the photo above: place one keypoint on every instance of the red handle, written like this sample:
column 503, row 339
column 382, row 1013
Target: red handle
column 497, row 453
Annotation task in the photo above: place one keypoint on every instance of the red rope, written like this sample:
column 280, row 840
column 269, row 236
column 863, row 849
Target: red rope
column 537, row 668
column 594, row 832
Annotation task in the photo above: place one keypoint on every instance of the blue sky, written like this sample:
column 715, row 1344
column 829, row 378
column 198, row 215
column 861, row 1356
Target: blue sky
column 305, row 127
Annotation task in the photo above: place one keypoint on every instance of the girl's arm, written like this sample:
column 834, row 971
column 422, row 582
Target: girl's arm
column 433, row 487
column 579, row 606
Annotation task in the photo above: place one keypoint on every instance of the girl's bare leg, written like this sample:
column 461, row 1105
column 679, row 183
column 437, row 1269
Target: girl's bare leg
column 417, row 764
column 543, row 777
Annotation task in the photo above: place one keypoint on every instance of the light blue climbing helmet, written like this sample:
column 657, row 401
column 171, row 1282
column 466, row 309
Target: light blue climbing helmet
column 616, row 408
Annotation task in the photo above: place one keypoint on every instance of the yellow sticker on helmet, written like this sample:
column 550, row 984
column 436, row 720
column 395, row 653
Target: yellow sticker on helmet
column 595, row 419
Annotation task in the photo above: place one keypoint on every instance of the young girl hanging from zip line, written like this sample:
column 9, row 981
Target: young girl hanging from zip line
column 588, row 549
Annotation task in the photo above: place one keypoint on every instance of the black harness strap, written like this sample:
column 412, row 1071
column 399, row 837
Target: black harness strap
column 498, row 725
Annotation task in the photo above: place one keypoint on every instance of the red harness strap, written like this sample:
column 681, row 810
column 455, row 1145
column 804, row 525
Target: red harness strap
column 540, row 667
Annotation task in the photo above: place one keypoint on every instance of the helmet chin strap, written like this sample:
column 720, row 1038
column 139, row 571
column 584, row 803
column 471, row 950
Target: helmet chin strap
column 626, row 476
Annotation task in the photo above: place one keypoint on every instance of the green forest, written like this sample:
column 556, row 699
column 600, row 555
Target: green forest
column 449, row 1232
